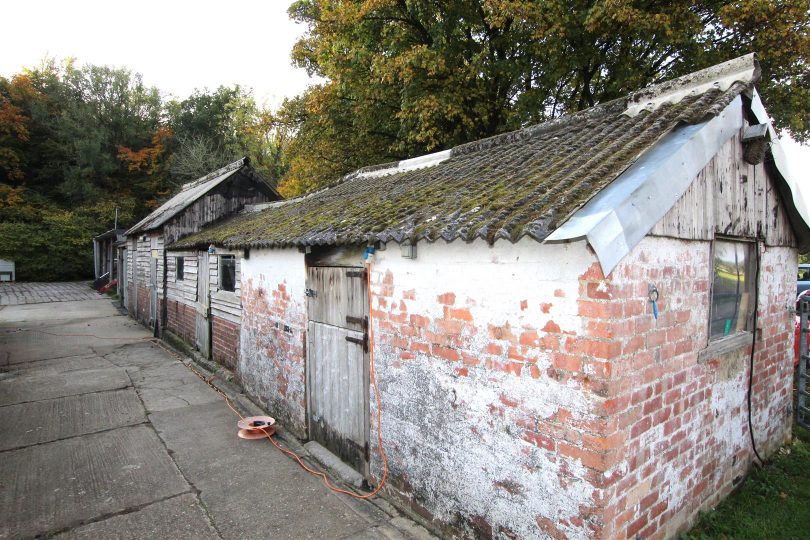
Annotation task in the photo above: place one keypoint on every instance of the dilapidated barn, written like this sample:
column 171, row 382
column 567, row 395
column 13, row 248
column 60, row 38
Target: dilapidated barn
column 565, row 321
column 202, row 202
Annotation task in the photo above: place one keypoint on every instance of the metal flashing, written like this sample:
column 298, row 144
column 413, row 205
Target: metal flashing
column 798, row 213
column 622, row 214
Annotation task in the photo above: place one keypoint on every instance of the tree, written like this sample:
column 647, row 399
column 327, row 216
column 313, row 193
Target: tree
column 407, row 77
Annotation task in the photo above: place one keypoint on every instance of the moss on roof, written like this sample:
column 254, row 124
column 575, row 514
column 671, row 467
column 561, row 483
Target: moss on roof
column 524, row 183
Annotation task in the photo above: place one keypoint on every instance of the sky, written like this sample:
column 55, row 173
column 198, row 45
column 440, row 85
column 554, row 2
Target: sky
column 179, row 45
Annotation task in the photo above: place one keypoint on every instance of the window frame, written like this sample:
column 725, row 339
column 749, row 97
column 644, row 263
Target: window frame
column 222, row 273
column 180, row 268
column 750, row 267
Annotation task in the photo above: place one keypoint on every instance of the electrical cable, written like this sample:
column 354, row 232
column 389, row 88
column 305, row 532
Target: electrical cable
column 209, row 381
column 751, row 361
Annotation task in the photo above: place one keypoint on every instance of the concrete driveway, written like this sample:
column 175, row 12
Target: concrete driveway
column 106, row 435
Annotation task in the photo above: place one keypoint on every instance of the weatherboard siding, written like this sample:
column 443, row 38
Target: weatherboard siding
column 729, row 197
column 224, row 200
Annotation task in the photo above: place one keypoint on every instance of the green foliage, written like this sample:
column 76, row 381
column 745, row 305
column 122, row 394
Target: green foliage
column 78, row 142
column 405, row 77
column 773, row 502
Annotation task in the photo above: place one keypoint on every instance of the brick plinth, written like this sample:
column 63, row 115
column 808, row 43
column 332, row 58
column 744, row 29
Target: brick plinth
column 182, row 320
column 225, row 340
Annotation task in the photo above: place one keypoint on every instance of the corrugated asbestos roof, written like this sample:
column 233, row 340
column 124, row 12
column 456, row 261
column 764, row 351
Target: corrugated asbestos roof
column 524, row 183
column 193, row 191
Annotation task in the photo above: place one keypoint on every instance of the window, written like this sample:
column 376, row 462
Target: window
column 732, row 307
column 180, row 268
column 227, row 273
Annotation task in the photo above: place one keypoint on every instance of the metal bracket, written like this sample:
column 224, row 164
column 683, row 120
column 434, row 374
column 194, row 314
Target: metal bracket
column 362, row 321
column 363, row 342
column 310, row 293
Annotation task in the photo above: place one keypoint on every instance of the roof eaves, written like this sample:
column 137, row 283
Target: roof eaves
column 616, row 219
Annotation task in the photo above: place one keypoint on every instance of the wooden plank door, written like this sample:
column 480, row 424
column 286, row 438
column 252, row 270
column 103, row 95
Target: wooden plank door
column 202, row 334
column 337, row 366
column 153, row 289
column 123, row 279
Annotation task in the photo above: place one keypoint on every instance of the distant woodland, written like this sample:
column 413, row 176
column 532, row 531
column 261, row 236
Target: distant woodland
column 402, row 78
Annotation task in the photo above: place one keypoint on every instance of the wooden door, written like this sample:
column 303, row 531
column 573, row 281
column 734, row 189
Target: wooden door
column 337, row 366
column 153, row 289
column 203, row 322
column 123, row 280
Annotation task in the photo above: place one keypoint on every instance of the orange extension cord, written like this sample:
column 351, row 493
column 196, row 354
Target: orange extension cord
column 290, row 453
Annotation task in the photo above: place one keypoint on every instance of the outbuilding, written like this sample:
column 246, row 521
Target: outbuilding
column 105, row 256
column 564, row 322
column 149, row 296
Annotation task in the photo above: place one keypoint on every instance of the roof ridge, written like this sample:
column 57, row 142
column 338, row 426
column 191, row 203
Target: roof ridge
column 743, row 69
column 238, row 164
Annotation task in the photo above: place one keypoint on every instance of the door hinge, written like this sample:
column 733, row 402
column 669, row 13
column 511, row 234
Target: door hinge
column 359, row 341
column 356, row 273
column 362, row 321
column 366, row 453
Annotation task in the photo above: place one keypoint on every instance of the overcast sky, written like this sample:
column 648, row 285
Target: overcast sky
column 179, row 45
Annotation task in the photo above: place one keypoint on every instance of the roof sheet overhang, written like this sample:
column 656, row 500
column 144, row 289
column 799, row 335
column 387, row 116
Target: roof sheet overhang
column 616, row 219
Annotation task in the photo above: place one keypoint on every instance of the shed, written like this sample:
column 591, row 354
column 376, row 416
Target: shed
column 7, row 270
column 150, row 278
column 562, row 319
column 105, row 259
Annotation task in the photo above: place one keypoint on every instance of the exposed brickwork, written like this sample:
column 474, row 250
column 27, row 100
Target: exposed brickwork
column 182, row 320
column 676, row 436
column 272, row 360
column 225, row 342
column 488, row 413
column 571, row 411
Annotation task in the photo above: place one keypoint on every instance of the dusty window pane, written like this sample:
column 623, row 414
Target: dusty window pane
column 732, row 289
column 180, row 268
column 227, row 273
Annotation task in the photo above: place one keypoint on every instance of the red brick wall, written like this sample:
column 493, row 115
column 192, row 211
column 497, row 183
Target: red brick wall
column 488, row 389
column 550, row 402
column 677, row 436
column 182, row 320
column 272, row 363
column 225, row 341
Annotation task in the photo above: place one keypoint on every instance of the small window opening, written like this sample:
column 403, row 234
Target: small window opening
column 227, row 273
column 732, row 306
column 180, row 268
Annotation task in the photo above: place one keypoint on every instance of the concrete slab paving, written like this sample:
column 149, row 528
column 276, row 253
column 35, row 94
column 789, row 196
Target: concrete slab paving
column 53, row 486
column 60, row 365
column 292, row 503
column 53, row 419
column 170, row 386
column 80, row 455
column 22, row 387
column 20, row 292
column 178, row 518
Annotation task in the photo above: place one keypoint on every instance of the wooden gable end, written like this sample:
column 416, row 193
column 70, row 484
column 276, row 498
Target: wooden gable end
column 730, row 197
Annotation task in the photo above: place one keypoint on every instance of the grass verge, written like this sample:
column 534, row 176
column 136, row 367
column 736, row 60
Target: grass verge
column 773, row 502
